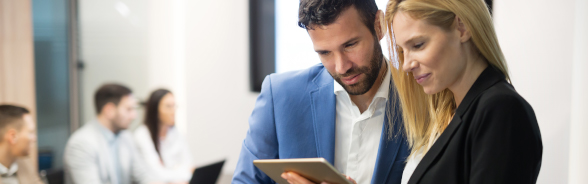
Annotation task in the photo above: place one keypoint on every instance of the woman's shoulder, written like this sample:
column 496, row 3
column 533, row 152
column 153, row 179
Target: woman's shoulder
column 502, row 97
column 141, row 132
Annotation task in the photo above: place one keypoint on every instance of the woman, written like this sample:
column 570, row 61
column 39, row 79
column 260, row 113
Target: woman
column 464, row 120
column 160, row 143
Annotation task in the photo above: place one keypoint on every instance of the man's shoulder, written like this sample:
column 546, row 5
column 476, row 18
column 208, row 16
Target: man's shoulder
column 86, row 135
column 297, row 79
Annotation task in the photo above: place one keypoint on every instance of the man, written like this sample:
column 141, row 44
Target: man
column 102, row 151
column 17, row 131
column 338, row 109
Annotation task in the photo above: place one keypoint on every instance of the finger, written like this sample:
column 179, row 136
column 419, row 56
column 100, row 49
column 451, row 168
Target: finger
column 350, row 179
column 295, row 178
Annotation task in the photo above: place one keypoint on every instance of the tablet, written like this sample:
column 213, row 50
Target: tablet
column 316, row 170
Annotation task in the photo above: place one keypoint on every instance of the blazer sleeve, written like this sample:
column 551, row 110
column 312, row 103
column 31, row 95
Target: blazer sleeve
column 79, row 161
column 261, row 140
column 506, row 145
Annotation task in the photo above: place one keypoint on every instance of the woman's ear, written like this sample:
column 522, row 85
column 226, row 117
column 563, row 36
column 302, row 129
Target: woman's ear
column 464, row 32
column 380, row 25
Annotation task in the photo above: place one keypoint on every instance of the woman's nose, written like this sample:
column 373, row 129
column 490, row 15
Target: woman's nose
column 409, row 65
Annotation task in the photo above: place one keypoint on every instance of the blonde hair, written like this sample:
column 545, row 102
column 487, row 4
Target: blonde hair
column 426, row 116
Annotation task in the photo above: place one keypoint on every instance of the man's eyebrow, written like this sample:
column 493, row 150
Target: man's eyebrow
column 351, row 40
column 346, row 43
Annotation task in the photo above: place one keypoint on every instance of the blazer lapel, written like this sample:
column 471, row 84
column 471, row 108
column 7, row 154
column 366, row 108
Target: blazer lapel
column 437, row 148
column 389, row 144
column 323, row 106
column 387, row 152
column 487, row 78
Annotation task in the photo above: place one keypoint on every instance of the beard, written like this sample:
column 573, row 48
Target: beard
column 371, row 72
column 119, row 124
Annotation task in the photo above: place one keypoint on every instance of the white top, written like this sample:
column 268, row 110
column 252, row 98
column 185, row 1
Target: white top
column 414, row 160
column 8, row 174
column 177, row 160
column 357, row 135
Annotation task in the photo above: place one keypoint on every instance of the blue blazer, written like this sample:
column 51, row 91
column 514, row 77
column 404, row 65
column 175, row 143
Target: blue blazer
column 294, row 117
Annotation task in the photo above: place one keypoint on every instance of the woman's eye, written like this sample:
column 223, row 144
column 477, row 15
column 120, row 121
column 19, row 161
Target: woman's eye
column 418, row 46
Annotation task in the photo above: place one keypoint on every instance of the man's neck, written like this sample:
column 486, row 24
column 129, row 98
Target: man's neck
column 363, row 101
column 106, row 123
column 6, row 158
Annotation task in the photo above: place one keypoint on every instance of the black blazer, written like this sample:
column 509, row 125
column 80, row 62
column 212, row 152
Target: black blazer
column 492, row 138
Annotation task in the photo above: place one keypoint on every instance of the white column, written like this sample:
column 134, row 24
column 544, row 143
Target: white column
column 578, row 166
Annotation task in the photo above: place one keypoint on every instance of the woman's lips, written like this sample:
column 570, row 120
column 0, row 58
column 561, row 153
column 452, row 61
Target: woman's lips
column 421, row 78
column 351, row 79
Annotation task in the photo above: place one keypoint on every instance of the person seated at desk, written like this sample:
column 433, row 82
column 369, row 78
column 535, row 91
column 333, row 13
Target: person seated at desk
column 17, row 131
column 102, row 151
column 160, row 143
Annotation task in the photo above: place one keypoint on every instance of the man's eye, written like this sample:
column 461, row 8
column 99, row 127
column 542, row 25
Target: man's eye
column 323, row 53
column 351, row 44
column 418, row 46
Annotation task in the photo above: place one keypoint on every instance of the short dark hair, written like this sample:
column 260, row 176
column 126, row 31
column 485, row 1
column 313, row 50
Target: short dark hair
column 109, row 93
column 325, row 12
column 10, row 115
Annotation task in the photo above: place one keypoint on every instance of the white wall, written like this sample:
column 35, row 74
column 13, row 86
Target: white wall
column 579, row 124
column 217, row 77
column 114, row 48
column 536, row 37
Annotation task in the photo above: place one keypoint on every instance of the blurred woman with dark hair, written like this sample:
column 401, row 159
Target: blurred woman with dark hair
column 160, row 143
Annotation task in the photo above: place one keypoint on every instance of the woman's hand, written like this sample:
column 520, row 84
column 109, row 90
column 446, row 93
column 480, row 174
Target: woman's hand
column 294, row 178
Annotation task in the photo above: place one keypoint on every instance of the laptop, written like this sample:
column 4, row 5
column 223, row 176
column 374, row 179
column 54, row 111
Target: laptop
column 207, row 174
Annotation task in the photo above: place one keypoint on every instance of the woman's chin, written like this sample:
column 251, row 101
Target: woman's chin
column 430, row 90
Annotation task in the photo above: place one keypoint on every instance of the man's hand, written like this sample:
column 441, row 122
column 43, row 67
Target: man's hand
column 294, row 178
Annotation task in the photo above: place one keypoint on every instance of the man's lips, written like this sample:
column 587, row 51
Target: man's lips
column 351, row 79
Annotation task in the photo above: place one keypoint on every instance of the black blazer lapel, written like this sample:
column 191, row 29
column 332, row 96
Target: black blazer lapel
column 435, row 150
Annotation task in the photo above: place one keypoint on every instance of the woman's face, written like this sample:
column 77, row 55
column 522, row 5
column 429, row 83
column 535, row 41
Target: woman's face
column 434, row 56
column 167, row 110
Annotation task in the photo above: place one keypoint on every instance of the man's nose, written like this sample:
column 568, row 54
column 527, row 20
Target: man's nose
column 342, row 63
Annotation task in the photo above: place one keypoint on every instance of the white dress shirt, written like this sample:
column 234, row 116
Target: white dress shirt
column 9, row 174
column 357, row 136
column 177, row 160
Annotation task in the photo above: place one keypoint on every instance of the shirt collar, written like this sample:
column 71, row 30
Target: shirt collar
column 8, row 171
column 383, row 91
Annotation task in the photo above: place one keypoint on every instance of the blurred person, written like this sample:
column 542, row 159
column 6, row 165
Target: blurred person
column 464, row 120
column 339, row 110
column 17, row 130
column 102, row 151
column 160, row 143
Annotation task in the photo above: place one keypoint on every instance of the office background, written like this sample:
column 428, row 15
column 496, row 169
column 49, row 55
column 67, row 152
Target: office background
column 200, row 50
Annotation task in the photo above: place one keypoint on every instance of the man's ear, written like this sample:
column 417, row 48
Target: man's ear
column 464, row 32
column 10, row 135
column 109, row 109
column 380, row 25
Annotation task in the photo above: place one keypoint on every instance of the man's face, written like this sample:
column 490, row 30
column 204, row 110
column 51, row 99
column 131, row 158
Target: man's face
column 125, row 113
column 349, row 51
column 25, row 137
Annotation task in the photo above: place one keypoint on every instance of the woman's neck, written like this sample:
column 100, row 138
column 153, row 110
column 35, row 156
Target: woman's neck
column 163, row 131
column 471, row 73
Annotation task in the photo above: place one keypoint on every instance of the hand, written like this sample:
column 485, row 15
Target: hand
column 294, row 178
